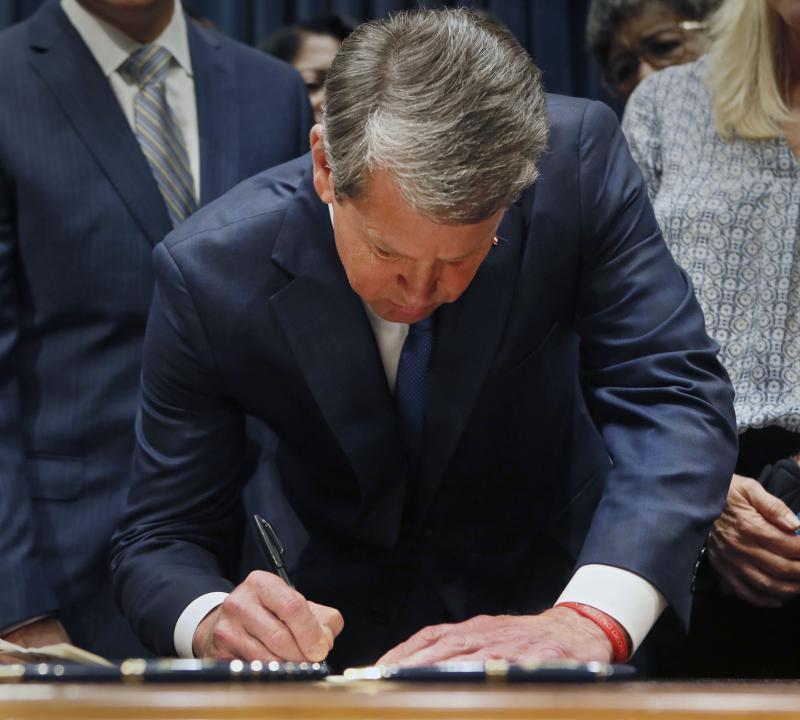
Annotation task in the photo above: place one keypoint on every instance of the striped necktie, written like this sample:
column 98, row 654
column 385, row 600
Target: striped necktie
column 410, row 387
column 158, row 134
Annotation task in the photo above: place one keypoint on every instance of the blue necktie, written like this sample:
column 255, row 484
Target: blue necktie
column 409, row 391
column 158, row 134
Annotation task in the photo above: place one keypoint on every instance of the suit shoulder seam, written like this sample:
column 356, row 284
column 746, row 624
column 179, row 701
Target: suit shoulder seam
column 179, row 241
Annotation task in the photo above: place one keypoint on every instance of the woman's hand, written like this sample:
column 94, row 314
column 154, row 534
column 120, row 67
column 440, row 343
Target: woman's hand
column 753, row 546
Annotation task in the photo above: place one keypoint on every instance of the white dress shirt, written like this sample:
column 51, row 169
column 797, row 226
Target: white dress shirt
column 632, row 601
column 111, row 48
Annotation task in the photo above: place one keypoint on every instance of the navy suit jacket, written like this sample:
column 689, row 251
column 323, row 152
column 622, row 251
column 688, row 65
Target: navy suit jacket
column 521, row 478
column 80, row 213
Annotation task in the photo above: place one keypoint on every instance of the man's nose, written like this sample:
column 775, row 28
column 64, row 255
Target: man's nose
column 419, row 284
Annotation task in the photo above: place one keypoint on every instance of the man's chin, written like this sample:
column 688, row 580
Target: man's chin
column 401, row 314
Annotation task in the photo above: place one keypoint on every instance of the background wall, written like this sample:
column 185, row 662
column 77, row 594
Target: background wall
column 551, row 30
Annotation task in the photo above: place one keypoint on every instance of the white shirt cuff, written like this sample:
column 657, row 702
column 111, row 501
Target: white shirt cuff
column 190, row 618
column 628, row 598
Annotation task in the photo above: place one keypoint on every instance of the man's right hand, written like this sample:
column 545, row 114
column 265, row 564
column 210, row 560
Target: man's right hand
column 47, row 631
column 265, row 619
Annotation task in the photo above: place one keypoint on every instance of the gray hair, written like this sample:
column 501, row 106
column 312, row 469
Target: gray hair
column 446, row 101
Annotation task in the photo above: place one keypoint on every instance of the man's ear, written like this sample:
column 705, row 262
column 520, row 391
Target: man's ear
column 323, row 182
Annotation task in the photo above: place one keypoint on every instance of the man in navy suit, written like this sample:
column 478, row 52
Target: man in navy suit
column 420, row 325
column 81, row 207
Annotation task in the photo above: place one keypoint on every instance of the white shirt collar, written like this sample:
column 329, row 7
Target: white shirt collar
column 111, row 47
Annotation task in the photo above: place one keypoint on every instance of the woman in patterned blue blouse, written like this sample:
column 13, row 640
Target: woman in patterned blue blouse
column 718, row 141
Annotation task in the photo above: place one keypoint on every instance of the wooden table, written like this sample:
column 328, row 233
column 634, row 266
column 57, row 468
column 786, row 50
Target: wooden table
column 395, row 701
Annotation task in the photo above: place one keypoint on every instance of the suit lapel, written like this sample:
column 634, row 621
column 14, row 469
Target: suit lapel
column 460, row 364
column 215, row 94
column 66, row 65
column 335, row 348
column 331, row 338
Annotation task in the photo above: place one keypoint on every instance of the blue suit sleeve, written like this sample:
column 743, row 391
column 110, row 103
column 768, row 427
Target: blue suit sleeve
column 26, row 592
column 654, row 384
column 183, row 508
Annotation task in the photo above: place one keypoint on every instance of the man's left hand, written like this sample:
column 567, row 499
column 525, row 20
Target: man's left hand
column 555, row 634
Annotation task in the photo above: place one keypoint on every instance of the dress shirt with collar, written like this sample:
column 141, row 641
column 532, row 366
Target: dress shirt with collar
column 111, row 48
column 631, row 600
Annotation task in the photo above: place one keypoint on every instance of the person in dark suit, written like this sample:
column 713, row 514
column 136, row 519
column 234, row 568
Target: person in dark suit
column 85, row 194
column 419, row 325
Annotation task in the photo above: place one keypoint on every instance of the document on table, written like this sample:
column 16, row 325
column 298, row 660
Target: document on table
column 59, row 651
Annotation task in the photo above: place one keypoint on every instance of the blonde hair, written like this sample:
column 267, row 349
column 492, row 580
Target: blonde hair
column 748, row 70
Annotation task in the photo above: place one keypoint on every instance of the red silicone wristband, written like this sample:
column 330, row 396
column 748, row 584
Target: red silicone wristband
column 614, row 631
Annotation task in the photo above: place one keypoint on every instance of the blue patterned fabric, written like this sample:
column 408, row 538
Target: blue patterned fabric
column 409, row 393
column 729, row 212
column 158, row 134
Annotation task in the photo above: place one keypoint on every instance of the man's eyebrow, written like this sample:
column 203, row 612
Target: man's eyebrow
column 464, row 256
column 372, row 234
column 376, row 239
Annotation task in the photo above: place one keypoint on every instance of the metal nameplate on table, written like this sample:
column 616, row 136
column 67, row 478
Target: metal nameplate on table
column 134, row 671
column 496, row 671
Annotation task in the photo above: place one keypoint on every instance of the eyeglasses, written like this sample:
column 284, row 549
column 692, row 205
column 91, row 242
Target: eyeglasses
column 662, row 48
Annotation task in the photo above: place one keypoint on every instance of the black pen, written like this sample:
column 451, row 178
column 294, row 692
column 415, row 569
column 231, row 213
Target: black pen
column 273, row 552
column 271, row 547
